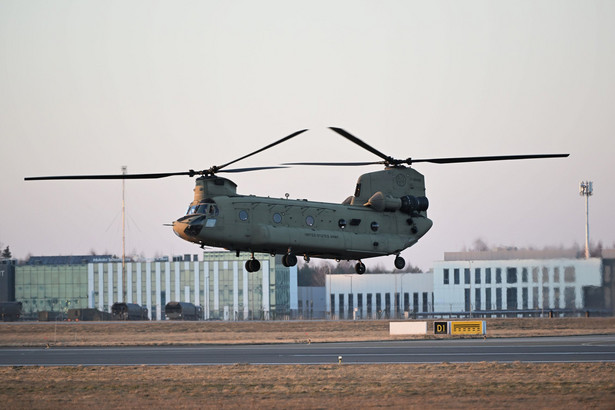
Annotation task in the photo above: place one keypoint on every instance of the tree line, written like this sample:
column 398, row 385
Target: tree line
column 314, row 273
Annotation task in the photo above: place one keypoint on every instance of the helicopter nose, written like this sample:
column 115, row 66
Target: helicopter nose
column 178, row 228
column 188, row 228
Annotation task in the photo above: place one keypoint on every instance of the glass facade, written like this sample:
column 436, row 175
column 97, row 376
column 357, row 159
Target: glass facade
column 54, row 288
column 280, row 286
column 220, row 285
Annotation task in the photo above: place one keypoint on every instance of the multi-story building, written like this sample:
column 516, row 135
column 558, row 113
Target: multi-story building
column 483, row 283
column 312, row 302
column 379, row 296
column 7, row 280
column 515, row 281
column 55, row 283
column 219, row 284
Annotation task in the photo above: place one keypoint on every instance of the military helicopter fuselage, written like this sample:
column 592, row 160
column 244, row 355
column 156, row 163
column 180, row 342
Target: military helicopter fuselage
column 386, row 215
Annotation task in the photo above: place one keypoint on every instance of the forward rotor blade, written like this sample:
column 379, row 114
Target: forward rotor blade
column 294, row 134
column 484, row 159
column 362, row 144
column 113, row 176
column 189, row 173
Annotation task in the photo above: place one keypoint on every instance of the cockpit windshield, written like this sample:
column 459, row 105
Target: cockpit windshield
column 204, row 208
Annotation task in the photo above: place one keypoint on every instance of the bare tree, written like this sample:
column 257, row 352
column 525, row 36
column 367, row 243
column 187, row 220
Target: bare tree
column 6, row 253
column 479, row 245
column 311, row 275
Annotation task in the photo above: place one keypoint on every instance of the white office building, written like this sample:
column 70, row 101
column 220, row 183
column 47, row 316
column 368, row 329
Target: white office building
column 219, row 284
column 521, row 281
column 379, row 296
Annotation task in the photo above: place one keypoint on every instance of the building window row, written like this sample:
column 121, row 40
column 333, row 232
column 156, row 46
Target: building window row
column 511, row 275
column 374, row 307
column 550, row 298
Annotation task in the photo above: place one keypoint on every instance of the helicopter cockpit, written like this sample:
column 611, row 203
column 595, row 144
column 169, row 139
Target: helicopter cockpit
column 208, row 208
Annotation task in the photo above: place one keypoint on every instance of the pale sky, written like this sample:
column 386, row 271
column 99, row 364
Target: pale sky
column 89, row 86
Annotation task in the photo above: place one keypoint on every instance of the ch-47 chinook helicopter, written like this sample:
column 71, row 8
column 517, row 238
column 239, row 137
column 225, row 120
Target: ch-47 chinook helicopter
column 386, row 214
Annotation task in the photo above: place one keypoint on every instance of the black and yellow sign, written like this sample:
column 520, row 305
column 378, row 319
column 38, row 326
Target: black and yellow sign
column 477, row 327
column 440, row 328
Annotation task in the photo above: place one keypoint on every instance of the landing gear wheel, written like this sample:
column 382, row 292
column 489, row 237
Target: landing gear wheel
column 399, row 262
column 253, row 265
column 360, row 268
column 289, row 260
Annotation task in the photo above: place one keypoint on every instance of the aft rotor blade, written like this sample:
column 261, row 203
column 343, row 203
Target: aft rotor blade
column 112, row 176
column 336, row 164
column 294, row 134
column 484, row 159
column 250, row 169
column 362, row 144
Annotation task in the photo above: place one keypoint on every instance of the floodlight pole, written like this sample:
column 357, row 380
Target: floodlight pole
column 124, row 281
column 586, row 189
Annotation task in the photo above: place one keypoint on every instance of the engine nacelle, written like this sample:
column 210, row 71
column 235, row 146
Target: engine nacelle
column 410, row 204
column 407, row 204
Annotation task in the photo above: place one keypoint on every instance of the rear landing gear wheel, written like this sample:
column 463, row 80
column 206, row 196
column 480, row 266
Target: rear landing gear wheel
column 399, row 262
column 253, row 265
column 360, row 268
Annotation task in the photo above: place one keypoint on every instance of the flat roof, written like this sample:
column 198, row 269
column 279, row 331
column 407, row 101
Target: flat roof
column 506, row 254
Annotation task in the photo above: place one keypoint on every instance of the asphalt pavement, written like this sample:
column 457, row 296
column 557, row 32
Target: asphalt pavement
column 597, row 348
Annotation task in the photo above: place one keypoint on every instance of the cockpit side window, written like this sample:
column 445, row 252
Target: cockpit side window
column 213, row 210
column 204, row 208
column 191, row 210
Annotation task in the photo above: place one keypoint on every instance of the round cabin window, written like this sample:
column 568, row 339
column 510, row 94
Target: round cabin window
column 375, row 226
column 309, row 221
column 277, row 218
column 243, row 215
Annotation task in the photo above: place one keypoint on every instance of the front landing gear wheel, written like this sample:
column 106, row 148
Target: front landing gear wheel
column 399, row 262
column 253, row 265
column 360, row 268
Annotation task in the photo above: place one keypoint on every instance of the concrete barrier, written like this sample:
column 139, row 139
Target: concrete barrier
column 407, row 328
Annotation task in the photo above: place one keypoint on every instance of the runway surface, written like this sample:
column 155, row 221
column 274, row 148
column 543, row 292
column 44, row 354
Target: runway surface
column 600, row 348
